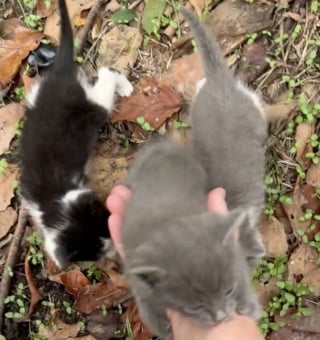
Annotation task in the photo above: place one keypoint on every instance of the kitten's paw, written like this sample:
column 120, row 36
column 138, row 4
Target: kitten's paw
column 123, row 88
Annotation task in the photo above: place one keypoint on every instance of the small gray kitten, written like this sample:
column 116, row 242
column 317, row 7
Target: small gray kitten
column 229, row 133
column 178, row 255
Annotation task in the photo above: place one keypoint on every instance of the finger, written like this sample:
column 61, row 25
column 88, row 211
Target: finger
column 216, row 201
column 114, row 223
column 122, row 191
column 117, row 199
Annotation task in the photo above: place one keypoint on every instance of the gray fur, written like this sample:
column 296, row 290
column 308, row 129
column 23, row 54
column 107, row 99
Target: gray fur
column 229, row 132
column 178, row 255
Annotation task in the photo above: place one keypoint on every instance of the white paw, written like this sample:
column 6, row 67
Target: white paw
column 123, row 86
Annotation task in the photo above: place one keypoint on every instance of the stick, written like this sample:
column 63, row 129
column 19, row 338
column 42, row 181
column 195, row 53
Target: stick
column 89, row 23
column 11, row 260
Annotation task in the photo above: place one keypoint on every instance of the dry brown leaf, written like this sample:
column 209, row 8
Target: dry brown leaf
column 274, row 237
column 35, row 295
column 303, row 261
column 119, row 48
column 303, row 324
column 61, row 331
column 74, row 281
column 7, row 180
column 303, row 134
column 13, row 50
column 266, row 292
column 7, row 219
column 43, row 11
column 295, row 210
column 131, row 315
column 75, row 7
column 200, row 5
column 10, row 115
column 313, row 175
column 313, row 202
column 155, row 103
column 280, row 109
column 104, row 293
column 252, row 63
column 289, row 334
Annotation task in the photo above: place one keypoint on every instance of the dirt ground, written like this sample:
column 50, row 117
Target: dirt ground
column 272, row 45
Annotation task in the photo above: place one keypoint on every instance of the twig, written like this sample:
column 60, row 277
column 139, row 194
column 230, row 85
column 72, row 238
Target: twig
column 11, row 260
column 89, row 23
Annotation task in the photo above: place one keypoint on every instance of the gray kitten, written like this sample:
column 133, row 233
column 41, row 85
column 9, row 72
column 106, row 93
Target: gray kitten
column 229, row 132
column 178, row 255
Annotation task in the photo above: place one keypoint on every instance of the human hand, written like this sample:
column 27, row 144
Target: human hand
column 119, row 196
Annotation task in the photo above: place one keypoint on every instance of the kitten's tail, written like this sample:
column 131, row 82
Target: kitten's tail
column 64, row 62
column 209, row 48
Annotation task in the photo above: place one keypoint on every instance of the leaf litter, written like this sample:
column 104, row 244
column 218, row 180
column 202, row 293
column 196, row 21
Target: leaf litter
column 158, row 100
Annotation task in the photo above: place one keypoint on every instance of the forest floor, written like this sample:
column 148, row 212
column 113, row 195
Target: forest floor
column 273, row 46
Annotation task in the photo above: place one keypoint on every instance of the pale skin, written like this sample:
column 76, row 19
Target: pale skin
column 240, row 327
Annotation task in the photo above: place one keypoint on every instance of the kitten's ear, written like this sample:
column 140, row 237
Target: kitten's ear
column 233, row 233
column 149, row 275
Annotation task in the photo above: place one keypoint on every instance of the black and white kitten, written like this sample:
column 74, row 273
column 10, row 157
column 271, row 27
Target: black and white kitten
column 64, row 115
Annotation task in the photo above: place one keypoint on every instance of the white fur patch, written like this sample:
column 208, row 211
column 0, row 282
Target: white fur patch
column 33, row 94
column 35, row 213
column 200, row 84
column 50, row 244
column 252, row 95
column 108, row 84
column 73, row 195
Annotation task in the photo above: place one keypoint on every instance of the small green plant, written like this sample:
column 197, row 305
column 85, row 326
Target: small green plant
column 19, row 127
column 269, row 269
column 292, row 84
column 315, row 6
column 252, row 38
column 291, row 297
column 301, row 172
column 36, row 254
column 16, row 303
column 19, row 92
column 274, row 194
column 313, row 156
column 124, row 16
column 3, row 165
column 144, row 125
column 180, row 124
column 93, row 273
column 34, row 21
column 67, row 307
column 104, row 310
column 311, row 57
column 296, row 32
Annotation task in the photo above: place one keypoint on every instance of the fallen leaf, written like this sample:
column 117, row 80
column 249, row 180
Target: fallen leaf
column 155, row 103
column 267, row 291
column 200, row 5
column 13, row 50
column 105, row 326
column 10, row 115
column 43, row 10
column 294, row 16
column 131, row 315
column 61, row 331
column 119, row 48
column 152, row 14
column 232, row 20
column 274, row 237
column 104, row 293
column 75, row 7
column 280, row 109
column 302, row 324
column 313, row 175
column 313, row 202
column 35, row 295
column 73, row 281
column 303, row 262
column 302, row 137
column 7, row 180
column 252, row 63
column 8, row 218
column 289, row 334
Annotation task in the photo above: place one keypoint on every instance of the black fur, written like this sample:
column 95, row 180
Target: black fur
column 61, row 129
